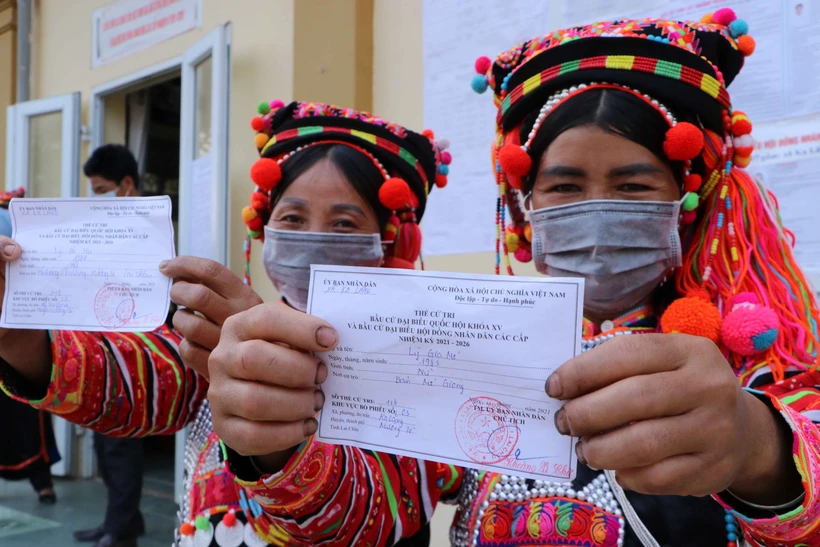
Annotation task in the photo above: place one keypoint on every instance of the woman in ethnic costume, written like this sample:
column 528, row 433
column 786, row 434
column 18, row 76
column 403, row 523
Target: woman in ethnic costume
column 619, row 157
column 332, row 186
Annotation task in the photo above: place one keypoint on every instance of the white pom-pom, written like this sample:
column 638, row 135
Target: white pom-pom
column 443, row 144
column 744, row 141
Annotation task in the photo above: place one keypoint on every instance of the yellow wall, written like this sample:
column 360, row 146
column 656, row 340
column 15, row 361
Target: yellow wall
column 8, row 73
column 333, row 43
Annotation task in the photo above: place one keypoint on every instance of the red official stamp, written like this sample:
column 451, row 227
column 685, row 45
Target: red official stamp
column 114, row 305
column 483, row 431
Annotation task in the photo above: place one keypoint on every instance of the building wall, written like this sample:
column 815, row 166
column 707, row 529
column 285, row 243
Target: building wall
column 8, row 72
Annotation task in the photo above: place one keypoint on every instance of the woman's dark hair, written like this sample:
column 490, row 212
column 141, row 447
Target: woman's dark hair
column 357, row 168
column 612, row 110
column 112, row 162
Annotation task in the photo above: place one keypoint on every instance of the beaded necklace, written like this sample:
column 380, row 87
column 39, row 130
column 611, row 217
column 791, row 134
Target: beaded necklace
column 465, row 530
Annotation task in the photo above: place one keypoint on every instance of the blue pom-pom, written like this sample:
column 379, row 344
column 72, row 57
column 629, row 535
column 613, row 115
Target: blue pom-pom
column 444, row 169
column 479, row 83
column 729, row 518
column 739, row 28
column 765, row 340
column 731, row 537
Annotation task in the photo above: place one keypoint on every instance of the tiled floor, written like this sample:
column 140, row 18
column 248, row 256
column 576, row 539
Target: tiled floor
column 81, row 504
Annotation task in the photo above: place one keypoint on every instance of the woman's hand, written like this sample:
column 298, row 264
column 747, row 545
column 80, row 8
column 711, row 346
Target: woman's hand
column 27, row 351
column 211, row 293
column 264, row 390
column 668, row 414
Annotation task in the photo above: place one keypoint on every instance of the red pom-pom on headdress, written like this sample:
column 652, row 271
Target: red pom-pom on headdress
column 514, row 160
column 260, row 201
column 266, row 174
column 257, row 123
column 741, row 124
column 692, row 183
column 683, row 142
column 396, row 195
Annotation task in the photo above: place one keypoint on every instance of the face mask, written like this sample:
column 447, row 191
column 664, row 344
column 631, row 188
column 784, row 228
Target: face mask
column 623, row 249
column 111, row 194
column 287, row 256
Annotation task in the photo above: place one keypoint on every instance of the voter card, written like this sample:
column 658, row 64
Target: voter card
column 89, row 264
column 448, row 367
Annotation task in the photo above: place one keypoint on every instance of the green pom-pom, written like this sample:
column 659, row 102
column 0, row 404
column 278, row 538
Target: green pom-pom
column 202, row 523
column 263, row 108
column 253, row 235
column 690, row 202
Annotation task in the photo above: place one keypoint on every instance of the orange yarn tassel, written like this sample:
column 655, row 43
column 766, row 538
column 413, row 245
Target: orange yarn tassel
column 741, row 246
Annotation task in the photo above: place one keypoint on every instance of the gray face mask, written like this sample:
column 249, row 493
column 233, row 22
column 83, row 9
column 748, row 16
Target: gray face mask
column 287, row 256
column 623, row 249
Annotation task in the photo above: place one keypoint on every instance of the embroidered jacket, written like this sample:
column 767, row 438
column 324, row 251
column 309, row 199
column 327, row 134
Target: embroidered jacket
column 135, row 384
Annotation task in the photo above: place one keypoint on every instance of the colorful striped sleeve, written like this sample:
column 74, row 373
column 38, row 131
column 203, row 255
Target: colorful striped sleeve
column 120, row 384
column 797, row 399
column 339, row 496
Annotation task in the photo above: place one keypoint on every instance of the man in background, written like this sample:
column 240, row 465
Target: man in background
column 112, row 172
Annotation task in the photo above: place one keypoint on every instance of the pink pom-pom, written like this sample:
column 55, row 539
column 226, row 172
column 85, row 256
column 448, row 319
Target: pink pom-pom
column 523, row 255
column 277, row 104
column 724, row 16
column 446, row 158
column 482, row 65
column 750, row 328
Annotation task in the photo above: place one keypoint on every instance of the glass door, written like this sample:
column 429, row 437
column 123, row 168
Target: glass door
column 43, row 156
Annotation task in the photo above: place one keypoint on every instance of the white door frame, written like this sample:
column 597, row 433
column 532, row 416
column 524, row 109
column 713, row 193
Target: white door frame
column 214, row 45
column 18, row 135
